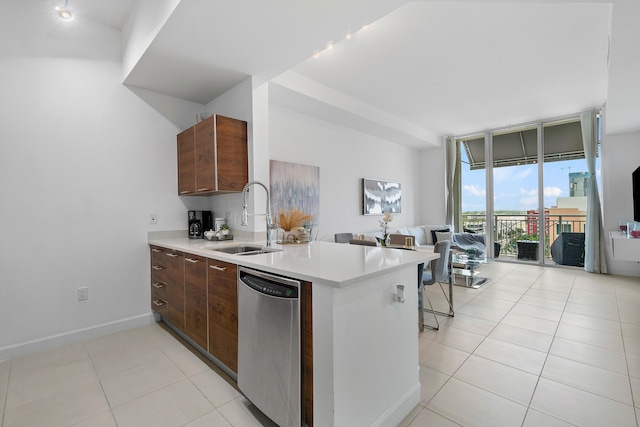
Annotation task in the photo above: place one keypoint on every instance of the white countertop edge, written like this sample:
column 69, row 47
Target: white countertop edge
column 284, row 262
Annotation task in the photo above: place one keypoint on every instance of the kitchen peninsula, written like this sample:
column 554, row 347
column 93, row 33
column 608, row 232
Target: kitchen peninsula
column 361, row 362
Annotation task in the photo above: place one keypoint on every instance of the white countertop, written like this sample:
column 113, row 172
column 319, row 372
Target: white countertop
column 327, row 263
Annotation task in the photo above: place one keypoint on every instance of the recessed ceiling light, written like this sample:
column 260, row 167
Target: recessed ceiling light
column 65, row 13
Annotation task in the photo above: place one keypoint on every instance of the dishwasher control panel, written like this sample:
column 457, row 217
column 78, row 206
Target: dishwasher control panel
column 268, row 286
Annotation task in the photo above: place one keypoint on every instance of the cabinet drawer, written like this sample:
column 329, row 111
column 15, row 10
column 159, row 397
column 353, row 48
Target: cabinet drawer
column 158, row 255
column 159, row 305
column 159, row 273
column 159, row 288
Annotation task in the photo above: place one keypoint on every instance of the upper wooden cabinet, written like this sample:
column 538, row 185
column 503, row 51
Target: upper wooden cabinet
column 187, row 162
column 213, row 157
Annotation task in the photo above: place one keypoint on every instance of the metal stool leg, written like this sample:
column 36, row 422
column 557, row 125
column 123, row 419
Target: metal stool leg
column 434, row 315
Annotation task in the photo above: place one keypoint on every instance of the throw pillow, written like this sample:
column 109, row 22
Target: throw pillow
column 434, row 236
column 435, row 227
column 419, row 234
column 446, row 235
column 401, row 230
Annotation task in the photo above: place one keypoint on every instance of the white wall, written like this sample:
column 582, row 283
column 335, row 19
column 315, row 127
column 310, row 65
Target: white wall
column 620, row 157
column 432, row 199
column 83, row 162
column 345, row 157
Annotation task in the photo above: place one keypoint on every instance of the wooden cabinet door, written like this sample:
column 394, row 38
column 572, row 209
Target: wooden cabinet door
column 223, row 312
column 205, row 156
column 232, row 154
column 186, row 162
column 175, row 288
column 195, row 292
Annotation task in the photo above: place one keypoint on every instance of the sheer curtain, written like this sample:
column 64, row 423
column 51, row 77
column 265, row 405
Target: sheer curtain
column 454, row 210
column 594, row 256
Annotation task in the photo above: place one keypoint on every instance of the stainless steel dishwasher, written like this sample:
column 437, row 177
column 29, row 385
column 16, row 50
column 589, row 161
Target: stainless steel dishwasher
column 269, row 345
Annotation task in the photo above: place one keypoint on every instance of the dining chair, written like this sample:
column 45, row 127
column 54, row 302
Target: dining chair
column 438, row 273
column 363, row 242
column 343, row 237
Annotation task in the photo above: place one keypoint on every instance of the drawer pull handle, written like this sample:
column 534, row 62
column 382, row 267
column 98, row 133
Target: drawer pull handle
column 155, row 250
column 194, row 261
column 185, row 192
column 203, row 189
column 215, row 267
column 158, row 303
column 172, row 255
column 158, row 285
column 157, row 267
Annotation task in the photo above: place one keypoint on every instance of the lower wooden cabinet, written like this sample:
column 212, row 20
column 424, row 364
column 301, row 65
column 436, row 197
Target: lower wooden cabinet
column 222, row 282
column 167, row 285
column 199, row 296
column 158, row 281
column 195, row 298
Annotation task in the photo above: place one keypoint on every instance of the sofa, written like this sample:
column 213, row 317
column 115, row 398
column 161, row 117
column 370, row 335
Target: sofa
column 429, row 234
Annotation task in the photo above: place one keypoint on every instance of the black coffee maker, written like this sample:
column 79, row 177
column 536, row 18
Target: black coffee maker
column 199, row 222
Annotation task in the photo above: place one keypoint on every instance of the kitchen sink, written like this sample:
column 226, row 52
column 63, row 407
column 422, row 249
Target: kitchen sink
column 261, row 251
column 245, row 250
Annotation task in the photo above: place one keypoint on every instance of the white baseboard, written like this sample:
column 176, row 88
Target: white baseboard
column 36, row 346
column 401, row 408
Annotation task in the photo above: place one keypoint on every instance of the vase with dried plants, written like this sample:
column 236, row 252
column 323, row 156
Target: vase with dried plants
column 294, row 224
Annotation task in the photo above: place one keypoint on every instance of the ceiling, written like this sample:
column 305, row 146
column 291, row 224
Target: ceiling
column 112, row 13
column 419, row 70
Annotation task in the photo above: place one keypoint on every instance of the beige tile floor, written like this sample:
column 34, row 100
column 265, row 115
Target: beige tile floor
column 534, row 347
column 140, row 377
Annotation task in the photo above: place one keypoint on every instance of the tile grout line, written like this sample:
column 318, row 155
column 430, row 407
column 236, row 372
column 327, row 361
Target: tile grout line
column 528, row 407
column 533, row 393
column 473, row 352
column 104, row 394
column 626, row 359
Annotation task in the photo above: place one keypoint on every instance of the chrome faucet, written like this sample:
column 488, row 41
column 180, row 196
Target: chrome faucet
column 245, row 216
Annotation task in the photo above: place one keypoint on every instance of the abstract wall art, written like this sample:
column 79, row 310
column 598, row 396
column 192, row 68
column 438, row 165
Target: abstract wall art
column 295, row 185
column 381, row 196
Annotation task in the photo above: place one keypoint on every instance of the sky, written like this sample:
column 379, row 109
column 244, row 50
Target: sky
column 516, row 187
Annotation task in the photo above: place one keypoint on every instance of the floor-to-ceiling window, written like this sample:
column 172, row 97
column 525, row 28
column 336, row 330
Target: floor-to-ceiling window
column 531, row 191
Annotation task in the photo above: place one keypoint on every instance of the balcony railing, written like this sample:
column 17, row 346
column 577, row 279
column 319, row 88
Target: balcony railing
column 509, row 229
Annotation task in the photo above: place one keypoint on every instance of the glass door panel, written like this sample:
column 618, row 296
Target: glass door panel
column 565, row 188
column 515, row 193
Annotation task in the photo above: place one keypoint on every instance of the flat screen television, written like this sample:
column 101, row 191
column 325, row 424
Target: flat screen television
column 635, row 177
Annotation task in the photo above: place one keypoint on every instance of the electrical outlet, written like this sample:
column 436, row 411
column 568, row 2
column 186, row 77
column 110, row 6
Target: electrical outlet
column 83, row 294
column 153, row 218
